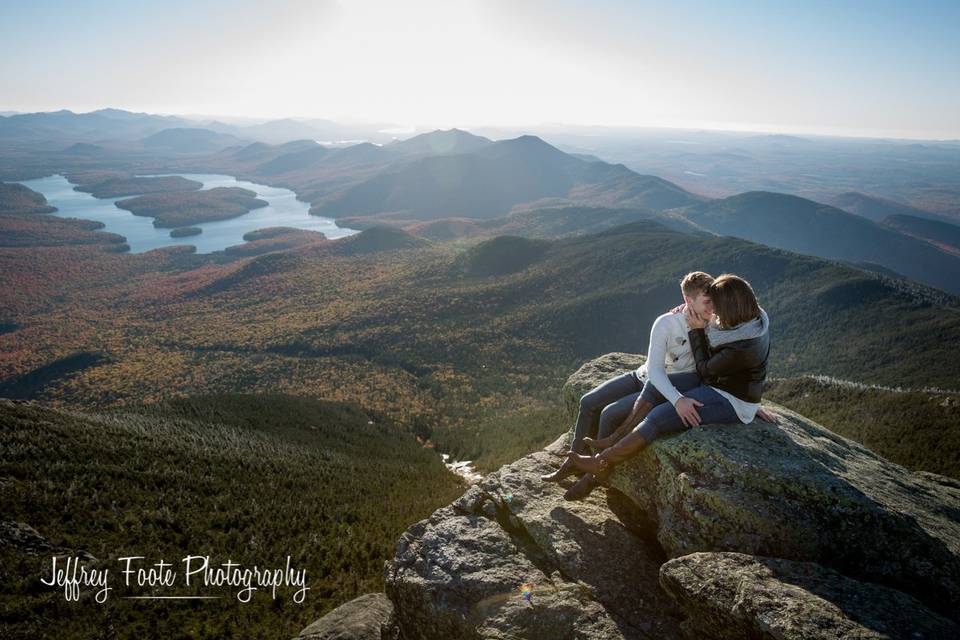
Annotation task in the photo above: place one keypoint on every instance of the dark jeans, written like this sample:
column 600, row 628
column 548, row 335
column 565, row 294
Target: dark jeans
column 604, row 407
column 663, row 420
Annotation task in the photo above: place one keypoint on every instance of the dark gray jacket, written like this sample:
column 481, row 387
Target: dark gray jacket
column 738, row 367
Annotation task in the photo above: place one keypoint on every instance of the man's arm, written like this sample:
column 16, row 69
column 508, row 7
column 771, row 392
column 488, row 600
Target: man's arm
column 656, row 356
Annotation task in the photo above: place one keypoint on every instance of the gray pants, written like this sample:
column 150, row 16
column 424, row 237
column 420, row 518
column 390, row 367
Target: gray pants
column 663, row 420
column 605, row 407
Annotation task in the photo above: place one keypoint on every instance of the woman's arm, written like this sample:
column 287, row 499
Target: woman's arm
column 709, row 364
column 768, row 416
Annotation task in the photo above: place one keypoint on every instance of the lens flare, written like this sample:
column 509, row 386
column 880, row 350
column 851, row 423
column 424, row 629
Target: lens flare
column 526, row 590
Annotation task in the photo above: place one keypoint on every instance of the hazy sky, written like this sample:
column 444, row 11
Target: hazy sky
column 838, row 67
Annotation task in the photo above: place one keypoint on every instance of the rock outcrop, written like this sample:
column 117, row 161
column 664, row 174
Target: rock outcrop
column 24, row 538
column 750, row 596
column 798, row 491
column 587, row 569
column 739, row 531
column 369, row 617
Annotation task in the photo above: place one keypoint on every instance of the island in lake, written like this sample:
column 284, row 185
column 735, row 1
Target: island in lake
column 20, row 227
column 115, row 187
column 183, row 208
column 182, row 232
column 16, row 198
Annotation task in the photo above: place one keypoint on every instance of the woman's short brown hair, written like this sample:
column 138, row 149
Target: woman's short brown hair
column 733, row 300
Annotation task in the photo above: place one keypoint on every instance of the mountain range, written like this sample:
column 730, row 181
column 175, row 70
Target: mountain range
column 446, row 177
column 118, row 124
column 877, row 209
column 805, row 226
column 448, row 183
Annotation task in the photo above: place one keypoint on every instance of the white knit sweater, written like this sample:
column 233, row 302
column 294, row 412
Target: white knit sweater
column 669, row 352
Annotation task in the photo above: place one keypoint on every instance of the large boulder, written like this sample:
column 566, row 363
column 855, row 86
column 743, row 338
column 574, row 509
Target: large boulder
column 797, row 491
column 751, row 597
column 369, row 617
column 592, row 373
column 589, row 571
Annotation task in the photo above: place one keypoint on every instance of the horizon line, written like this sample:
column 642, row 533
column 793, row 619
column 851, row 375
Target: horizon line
column 757, row 128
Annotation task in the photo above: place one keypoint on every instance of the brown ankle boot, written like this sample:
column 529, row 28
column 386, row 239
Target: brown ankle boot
column 602, row 477
column 582, row 488
column 566, row 470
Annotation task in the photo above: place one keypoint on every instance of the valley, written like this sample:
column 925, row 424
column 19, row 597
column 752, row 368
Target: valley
column 328, row 319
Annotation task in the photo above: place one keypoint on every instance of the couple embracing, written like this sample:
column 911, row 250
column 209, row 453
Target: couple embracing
column 706, row 364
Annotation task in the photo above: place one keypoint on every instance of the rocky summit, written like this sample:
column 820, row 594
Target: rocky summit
column 784, row 531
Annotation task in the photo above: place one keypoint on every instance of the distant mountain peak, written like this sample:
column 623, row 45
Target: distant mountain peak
column 531, row 148
column 379, row 237
column 83, row 148
column 111, row 111
column 778, row 137
column 442, row 142
column 303, row 143
column 189, row 139
column 529, row 141
column 757, row 194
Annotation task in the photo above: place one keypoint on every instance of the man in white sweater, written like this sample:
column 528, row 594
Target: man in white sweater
column 615, row 407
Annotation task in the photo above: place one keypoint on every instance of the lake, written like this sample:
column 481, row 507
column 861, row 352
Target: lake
column 284, row 210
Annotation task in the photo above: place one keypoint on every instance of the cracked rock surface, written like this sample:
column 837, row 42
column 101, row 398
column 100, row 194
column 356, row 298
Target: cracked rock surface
column 459, row 573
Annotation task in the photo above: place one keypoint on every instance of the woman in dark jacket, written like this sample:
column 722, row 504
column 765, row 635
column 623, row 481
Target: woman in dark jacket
column 731, row 356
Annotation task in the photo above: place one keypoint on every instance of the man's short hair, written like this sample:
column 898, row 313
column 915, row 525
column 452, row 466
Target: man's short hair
column 695, row 283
